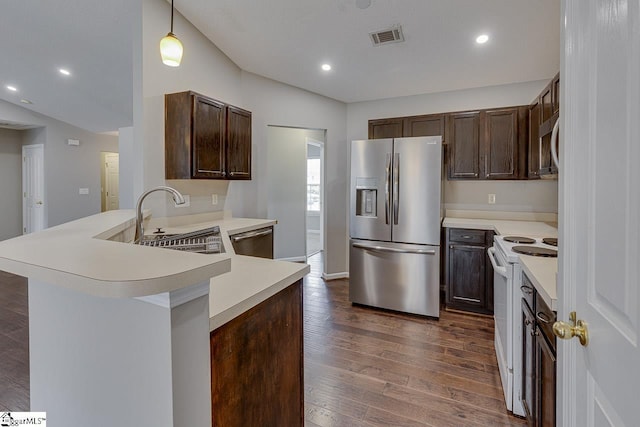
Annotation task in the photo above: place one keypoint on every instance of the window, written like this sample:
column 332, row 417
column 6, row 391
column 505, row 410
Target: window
column 313, row 185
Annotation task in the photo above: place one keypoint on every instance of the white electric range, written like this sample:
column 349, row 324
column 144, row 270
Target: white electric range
column 504, row 256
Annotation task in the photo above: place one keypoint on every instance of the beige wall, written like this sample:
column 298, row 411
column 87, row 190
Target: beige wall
column 10, row 183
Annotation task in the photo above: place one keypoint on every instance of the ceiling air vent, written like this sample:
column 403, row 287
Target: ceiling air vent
column 14, row 126
column 391, row 35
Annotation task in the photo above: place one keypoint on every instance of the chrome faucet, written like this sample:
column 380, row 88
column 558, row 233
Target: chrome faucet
column 177, row 197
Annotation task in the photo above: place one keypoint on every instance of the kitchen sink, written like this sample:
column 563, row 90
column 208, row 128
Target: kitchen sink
column 205, row 241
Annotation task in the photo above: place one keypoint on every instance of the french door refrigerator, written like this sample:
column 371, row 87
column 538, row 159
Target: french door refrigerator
column 395, row 219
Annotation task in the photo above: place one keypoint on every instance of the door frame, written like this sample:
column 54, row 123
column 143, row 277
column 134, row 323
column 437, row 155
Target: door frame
column 321, row 145
column 39, row 147
column 104, row 179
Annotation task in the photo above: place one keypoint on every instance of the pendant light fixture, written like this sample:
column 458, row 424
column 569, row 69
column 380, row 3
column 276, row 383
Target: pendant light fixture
column 170, row 47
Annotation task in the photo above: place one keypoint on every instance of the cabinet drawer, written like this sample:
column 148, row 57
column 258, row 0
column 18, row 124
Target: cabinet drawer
column 464, row 235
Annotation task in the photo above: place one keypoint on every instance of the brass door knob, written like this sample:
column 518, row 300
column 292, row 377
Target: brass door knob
column 566, row 331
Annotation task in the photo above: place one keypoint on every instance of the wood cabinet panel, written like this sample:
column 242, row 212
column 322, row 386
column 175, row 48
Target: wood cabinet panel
column 427, row 125
column 257, row 365
column 238, row 162
column 528, row 362
column 533, row 159
column 208, row 151
column 546, row 382
column 464, row 145
column 386, row 128
column 469, row 276
column 206, row 138
column 504, row 140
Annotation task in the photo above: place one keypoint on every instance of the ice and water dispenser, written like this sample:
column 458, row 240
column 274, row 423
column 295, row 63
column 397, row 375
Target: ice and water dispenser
column 367, row 197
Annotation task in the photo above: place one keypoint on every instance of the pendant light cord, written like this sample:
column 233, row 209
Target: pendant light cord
column 171, row 16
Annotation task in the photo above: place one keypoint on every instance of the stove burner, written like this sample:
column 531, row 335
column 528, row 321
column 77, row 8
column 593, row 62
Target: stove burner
column 519, row 239
column 550, row 241
column 535, row 251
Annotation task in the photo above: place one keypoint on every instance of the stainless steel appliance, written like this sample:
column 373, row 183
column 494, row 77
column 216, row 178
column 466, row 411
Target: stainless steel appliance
column 395, row 217
column 258, row 243
column 507, row 293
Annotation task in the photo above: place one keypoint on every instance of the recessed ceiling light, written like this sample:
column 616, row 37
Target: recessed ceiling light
column 65, row 72
column 326, row 67
column 12, row 88
column 363, row 4
column 26, row 101
column 483, row 38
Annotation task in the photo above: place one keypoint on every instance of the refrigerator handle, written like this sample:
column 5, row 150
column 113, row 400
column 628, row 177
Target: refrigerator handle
column 396, row 187
column 394, row 250
column 387, row 189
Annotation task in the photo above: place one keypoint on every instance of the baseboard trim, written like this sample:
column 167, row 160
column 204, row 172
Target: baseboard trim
column 335, row 276
column 293, row 259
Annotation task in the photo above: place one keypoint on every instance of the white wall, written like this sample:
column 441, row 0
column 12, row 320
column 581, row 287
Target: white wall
column 10, row 183
column 67, row 168
column 205, row 69
column 529, row 196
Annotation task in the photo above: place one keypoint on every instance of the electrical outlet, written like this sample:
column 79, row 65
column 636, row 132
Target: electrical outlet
column 187, row 202
column 214, row 199
column 492, row 199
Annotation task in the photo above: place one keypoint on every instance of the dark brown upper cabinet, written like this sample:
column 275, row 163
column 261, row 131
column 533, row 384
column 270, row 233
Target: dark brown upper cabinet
column 549, row 100
column 386, row 128
column 425, row 125
column 206, row 138
column 533, row 160
column 463, row 139
column 505, row 139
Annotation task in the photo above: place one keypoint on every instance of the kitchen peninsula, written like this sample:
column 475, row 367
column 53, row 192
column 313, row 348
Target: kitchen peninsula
column 121, row 334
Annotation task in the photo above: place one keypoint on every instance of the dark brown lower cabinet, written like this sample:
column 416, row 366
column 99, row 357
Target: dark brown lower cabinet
column 257, row 365
column 538, row 361
column 469, row 275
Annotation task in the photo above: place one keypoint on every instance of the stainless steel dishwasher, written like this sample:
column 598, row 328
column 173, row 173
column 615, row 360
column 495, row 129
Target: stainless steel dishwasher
column 258, row 243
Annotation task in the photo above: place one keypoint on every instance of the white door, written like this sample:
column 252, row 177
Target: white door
column 112, row 181
column 599, row 270
column 32, row 188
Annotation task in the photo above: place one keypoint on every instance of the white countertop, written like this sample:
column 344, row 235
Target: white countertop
column 542, row 272
column 251, row 280
column 76, row 256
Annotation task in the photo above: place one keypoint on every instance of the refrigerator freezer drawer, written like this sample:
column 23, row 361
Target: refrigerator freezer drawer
column 395, row 276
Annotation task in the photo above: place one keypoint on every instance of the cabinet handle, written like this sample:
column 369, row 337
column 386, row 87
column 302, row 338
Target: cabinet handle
column 543, row 317
column 526, row 289
column 527, row 322
column 467, row 299
column 231, row 173
column 534, row 333
column 475, row 174
column 224, row 174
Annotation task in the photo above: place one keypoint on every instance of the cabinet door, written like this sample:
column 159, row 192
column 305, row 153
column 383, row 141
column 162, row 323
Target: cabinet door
column 238, row 152
column 467, row 276
column 528, row 362
column 546, row 382
column 555, row 91
column 429, row 125
column 386, row 128
column 488, row 271
column 500, row 144
column 464, row 145
column 208, row 151
column 533, row 170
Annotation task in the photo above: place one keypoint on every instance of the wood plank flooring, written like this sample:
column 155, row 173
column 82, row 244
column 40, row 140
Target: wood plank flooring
column 14, row 343
column 363, row 367
column 366, row 367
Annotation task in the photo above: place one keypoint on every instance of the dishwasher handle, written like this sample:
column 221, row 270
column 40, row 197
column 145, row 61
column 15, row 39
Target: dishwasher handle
column 497, row 268
column 249, row 235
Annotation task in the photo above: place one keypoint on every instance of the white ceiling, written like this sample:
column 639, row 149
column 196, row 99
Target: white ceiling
column 286, row 40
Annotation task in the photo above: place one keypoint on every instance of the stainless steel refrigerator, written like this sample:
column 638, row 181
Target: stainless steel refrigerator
column 396, row 213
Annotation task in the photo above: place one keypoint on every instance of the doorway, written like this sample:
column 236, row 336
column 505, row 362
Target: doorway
column 287, row 189
column 315, row 195
column 33, row 211
column 109, row 178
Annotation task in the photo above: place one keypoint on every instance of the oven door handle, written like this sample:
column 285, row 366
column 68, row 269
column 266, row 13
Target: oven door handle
column 498, row 269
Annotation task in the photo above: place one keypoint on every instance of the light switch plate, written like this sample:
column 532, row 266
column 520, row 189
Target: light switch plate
column 214, row 199
column 83, row 191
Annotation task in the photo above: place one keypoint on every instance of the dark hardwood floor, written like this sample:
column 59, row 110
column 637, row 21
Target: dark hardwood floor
column 14, row 343
column 366, row 367
column 363, row 367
